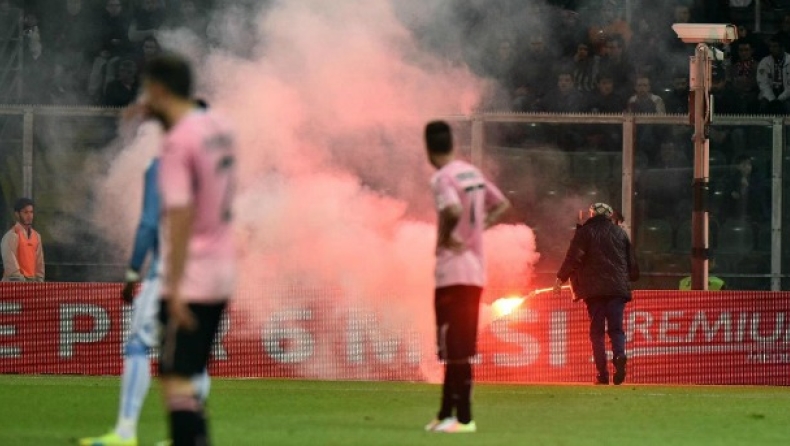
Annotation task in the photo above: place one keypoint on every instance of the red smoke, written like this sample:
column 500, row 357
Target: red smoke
column 334, row 191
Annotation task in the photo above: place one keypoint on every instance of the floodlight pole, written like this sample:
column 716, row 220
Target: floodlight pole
column 700, row 114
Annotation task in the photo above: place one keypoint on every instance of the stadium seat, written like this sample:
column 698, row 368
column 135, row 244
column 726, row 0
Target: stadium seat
column 716, row 195
column 550, row 165
column 665, row 269
column 717, row 158
column 761, row 161
column 755, row 263
column 735, row 237
column 641, row 161
column 728, row 263
column 683, row 235
column 682, row 212
column 616, row 162
column 654, row 236
column 549, row 191
column 590, row 167
column 591, row 194
column 763, row 239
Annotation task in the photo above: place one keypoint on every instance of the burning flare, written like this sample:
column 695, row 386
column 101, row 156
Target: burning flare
column 508, row 304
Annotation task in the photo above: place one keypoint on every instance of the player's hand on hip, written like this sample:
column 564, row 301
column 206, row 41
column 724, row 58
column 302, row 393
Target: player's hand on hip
column 180, row 314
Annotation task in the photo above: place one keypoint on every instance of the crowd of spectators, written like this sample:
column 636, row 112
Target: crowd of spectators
column 556, row 56
column 614, row 66
column 593, row 60
column 89, row 52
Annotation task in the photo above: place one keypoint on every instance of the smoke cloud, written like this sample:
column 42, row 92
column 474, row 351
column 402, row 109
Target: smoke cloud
column 329, row 104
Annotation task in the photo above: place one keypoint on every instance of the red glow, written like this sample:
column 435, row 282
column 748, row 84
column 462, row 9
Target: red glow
column 506, row 305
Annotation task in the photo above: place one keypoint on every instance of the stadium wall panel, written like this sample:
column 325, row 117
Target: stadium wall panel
column 673, row 338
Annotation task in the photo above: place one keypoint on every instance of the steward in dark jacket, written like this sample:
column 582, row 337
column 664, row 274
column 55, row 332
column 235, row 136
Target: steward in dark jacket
column 602, row 263
column 601, row 259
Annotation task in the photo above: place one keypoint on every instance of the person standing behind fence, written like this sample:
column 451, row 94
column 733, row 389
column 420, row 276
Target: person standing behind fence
column 602, row 262
column 23, row 253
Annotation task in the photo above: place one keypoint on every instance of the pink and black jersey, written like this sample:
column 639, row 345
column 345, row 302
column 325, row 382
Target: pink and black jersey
column 462, row 184
column 197, row 168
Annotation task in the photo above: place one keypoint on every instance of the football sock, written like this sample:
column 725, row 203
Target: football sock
column 187, row 424
column 135, row 382
column 202, row 385
column 464, row 404
column 448, row 394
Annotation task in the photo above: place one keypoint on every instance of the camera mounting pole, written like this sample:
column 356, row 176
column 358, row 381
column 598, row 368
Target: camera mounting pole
column 700, row 113
column 700, row 117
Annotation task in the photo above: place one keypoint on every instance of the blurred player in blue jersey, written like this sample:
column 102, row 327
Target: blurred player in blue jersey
column 143, row 333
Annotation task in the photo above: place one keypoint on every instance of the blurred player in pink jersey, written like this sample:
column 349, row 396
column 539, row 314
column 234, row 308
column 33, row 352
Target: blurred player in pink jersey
column 467, row 204
column 196, row 179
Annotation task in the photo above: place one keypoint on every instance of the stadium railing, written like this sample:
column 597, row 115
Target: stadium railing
column 51, row 153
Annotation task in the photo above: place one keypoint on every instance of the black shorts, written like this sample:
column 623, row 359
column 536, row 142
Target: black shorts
column 186, row 352
column 457, row 312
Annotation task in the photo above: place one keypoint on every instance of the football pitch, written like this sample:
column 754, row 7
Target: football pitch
column 55, row 410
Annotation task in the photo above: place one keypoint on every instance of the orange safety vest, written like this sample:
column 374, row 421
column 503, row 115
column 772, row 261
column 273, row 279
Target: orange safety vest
column 26, row 251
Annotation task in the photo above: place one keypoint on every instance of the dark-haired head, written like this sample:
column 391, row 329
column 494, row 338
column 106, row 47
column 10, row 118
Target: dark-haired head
column 776, row 46
column 22, row 203
column 172, row 72
column 438, row 138
column 23, row 211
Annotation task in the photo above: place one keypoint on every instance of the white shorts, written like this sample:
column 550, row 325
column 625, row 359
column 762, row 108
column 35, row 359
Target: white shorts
column 145, row 324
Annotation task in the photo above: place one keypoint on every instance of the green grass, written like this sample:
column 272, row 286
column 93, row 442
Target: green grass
column 56, row 410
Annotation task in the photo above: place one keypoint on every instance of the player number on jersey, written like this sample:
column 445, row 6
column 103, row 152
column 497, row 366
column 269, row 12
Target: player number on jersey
column 474, row 195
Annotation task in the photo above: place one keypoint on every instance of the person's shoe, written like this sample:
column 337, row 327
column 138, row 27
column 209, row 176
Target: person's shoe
column 111, row 439
column 619, row 369
column 431, row 427
column 456, row 427
column 601, row 380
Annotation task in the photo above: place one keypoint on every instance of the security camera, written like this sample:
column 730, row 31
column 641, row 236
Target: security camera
column 706, row 32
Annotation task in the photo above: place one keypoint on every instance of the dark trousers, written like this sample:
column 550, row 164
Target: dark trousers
column 606, row 314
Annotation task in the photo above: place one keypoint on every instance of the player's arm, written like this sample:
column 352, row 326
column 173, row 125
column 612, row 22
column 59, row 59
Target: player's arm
column 176, row 192
column 495, row 215
column 448, row 220
column 40, row 261
column 178, row 224
column 146, row 237
column 178, row 221
column 496, row 204
column 10, row 244
column 449, row 208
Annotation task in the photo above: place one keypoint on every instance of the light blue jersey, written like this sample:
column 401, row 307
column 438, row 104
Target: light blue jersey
column 147, row 238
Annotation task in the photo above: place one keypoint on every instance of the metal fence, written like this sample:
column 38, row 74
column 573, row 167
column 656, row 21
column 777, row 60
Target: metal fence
column 11, row 55
column 550, row 165
column 53, row 155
